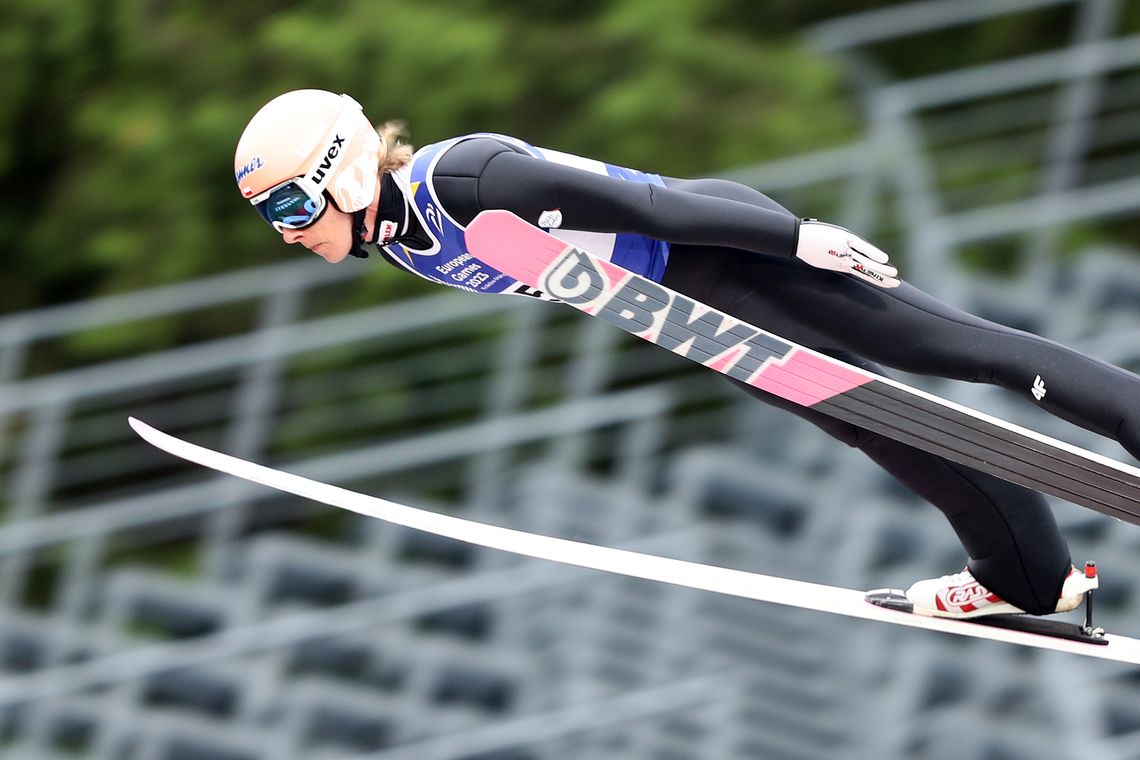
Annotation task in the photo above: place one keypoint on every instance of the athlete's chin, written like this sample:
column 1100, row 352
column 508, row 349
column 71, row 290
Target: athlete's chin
column 329, row 254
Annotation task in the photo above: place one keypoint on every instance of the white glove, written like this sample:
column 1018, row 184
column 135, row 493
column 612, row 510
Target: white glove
column 827, row 246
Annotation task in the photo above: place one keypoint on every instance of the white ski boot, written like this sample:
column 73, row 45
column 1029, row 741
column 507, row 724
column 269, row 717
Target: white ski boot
column 961, row 596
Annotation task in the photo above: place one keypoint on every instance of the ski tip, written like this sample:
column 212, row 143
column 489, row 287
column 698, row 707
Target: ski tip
column 145, row 431
column 492, row 223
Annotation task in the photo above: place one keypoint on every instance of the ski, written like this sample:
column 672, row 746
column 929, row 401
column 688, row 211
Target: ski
column 766, row 361
column 765, row 588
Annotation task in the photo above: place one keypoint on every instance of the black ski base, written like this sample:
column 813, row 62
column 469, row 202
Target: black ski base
column 893, row 599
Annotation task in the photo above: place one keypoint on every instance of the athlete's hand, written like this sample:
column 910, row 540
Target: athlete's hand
column 827, row 246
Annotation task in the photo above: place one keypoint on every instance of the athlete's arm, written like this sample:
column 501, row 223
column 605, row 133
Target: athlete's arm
column 483, row 173
column 480, row 174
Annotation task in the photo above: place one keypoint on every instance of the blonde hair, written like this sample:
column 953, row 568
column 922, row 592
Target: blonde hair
column 396, row 153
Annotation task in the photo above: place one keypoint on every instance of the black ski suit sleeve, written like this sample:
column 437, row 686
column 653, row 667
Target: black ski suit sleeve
column 483, row 173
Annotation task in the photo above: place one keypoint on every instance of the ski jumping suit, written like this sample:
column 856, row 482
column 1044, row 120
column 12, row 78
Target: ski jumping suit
column 734, row 248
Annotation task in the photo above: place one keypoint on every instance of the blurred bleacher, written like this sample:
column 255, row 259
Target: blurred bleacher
column 153, row 611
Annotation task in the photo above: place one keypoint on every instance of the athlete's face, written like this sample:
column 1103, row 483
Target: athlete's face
column 330, row 237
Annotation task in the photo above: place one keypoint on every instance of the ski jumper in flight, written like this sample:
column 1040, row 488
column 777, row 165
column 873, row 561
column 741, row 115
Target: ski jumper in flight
column 317, row 170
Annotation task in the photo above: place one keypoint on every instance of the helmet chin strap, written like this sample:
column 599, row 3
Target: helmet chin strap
column 392, row 204
column 358, row 233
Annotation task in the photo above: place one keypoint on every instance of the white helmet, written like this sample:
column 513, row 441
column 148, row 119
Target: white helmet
column 304, row 144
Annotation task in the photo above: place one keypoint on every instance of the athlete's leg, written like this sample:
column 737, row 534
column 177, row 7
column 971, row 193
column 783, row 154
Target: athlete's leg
column 1009, row 532
column 1015, row 547
column 912, row 331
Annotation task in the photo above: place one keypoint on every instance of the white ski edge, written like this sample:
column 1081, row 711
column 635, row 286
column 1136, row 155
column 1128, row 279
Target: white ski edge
column 694, row 575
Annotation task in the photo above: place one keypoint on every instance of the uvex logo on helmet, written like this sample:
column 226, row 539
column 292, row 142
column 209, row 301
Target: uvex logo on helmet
column 326, row 164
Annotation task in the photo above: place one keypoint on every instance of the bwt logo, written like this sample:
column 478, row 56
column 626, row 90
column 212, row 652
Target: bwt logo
column 575, row 280
column 326, row 164
column 668, row 319
column 250, row 166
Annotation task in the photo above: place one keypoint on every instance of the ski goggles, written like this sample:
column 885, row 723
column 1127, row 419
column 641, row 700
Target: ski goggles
column 292, row 205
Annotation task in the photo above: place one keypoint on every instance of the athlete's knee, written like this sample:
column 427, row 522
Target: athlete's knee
column 866, row 440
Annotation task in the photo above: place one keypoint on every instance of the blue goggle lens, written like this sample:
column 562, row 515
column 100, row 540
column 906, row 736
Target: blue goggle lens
column 291, row 206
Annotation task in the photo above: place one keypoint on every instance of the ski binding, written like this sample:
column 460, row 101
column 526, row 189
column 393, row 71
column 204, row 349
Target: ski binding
column 1088, row 633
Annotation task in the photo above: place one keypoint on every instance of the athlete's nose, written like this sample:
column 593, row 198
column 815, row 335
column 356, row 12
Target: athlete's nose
column 292, row 236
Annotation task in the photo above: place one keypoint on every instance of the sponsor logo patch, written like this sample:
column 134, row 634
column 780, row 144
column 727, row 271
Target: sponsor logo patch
column 248, row 168
column 388, row 230
column 550, row 220
column 672, row 321
column 968, row 594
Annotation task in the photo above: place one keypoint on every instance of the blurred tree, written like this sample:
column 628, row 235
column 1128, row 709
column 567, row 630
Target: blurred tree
column 119, row 117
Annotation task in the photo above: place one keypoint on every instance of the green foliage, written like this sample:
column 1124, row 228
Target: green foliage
column 119, row 117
